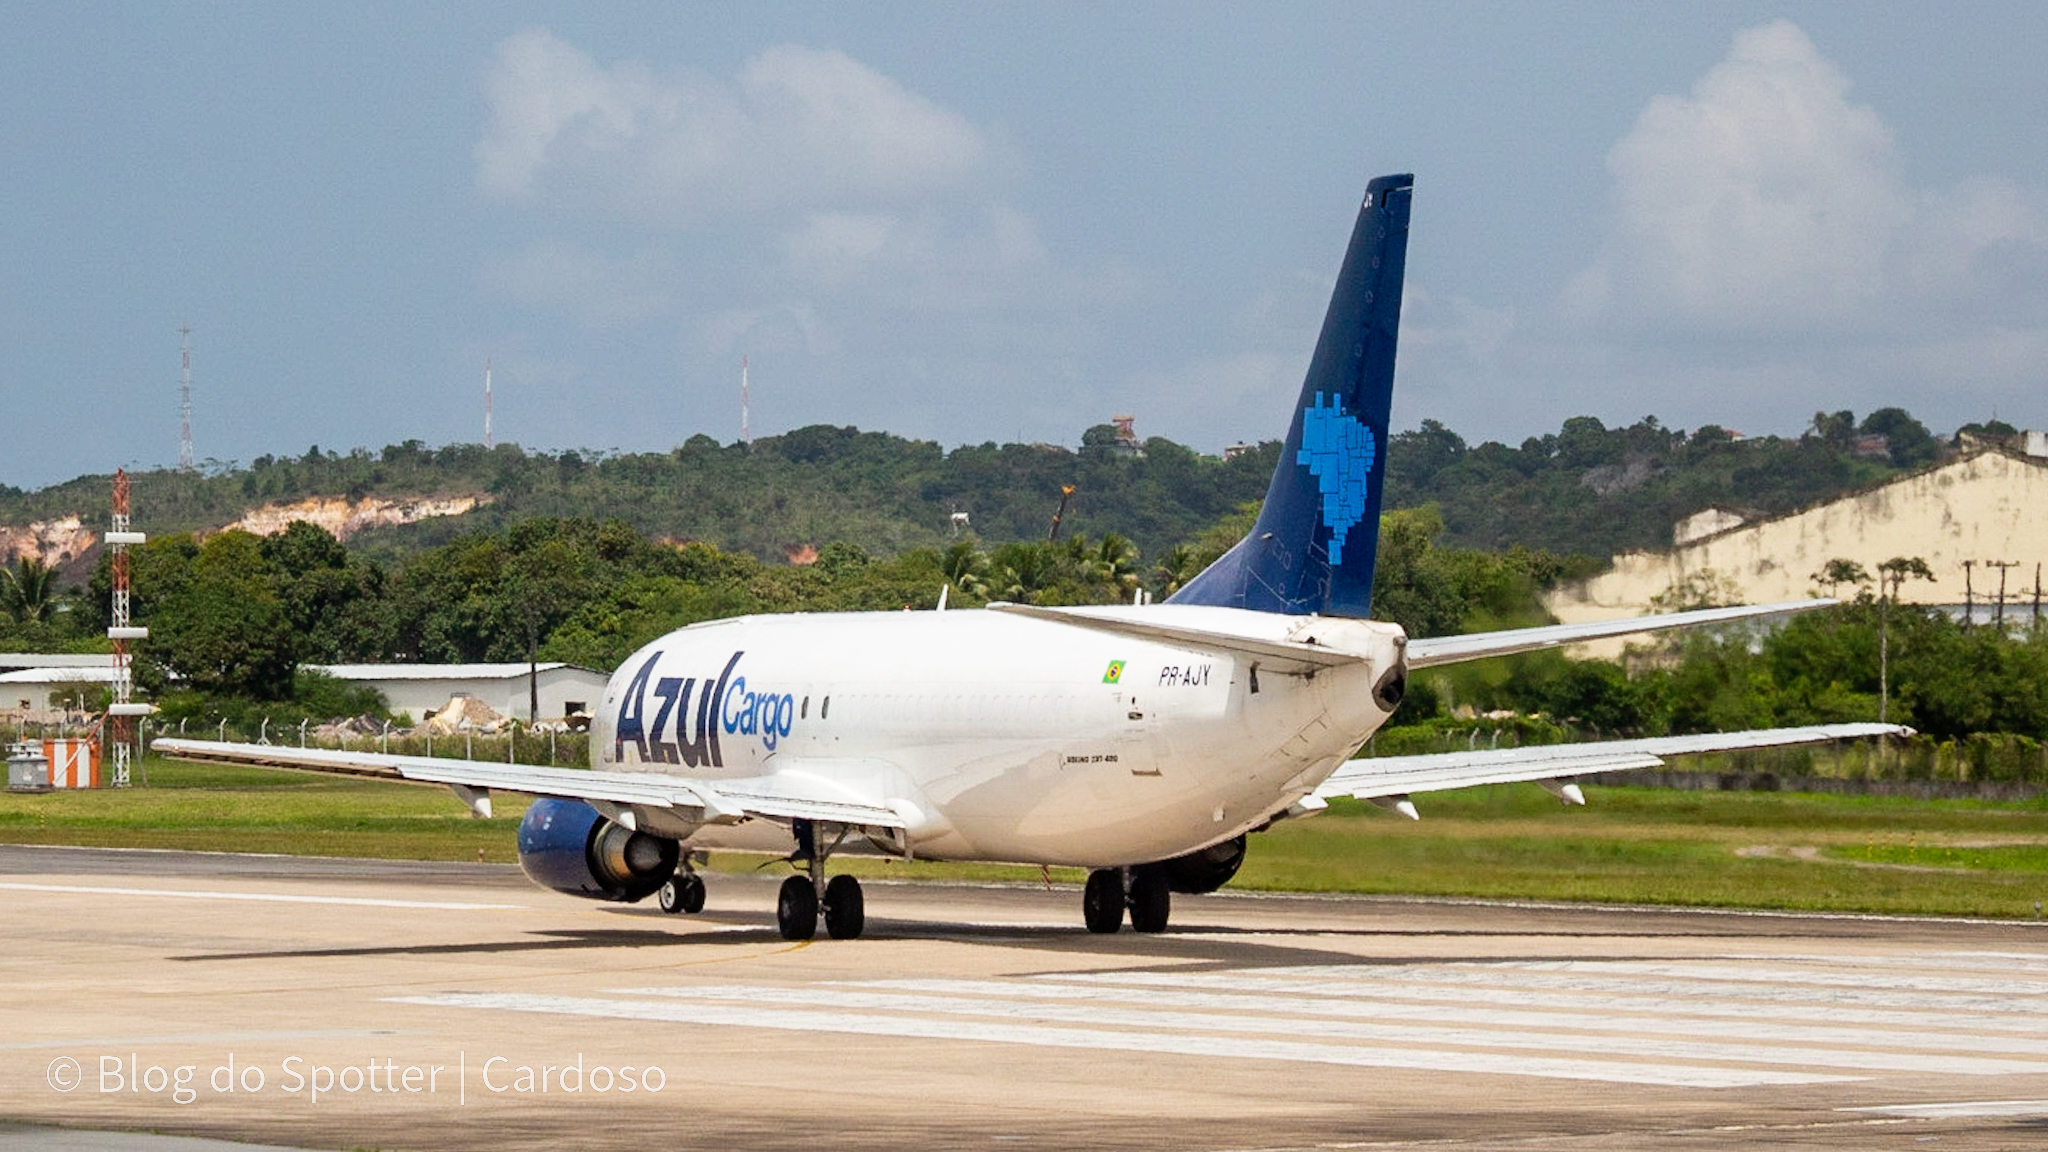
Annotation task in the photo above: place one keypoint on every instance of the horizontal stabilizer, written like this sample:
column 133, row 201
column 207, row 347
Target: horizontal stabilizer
column 1275, row 655
column 1480, row 645
column 1378, row 776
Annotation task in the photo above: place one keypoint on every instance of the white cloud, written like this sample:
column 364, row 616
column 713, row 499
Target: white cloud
column 1764, row 197
column 798, row 127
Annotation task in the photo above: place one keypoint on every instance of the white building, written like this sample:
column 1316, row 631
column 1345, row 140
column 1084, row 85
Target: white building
column 417, row 689
column 42, row 694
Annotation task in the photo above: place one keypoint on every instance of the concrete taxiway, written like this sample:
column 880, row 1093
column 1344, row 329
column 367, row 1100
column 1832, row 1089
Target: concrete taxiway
column 329, row 1003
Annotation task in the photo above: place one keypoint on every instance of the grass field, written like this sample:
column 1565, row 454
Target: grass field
column 1633, row 845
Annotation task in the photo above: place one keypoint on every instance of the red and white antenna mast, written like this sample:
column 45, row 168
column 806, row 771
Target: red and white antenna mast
column 119, row 732
column 185, row 399
column 746, row 433
column 487, row 403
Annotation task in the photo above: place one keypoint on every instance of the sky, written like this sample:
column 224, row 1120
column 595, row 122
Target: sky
column 1000, row 222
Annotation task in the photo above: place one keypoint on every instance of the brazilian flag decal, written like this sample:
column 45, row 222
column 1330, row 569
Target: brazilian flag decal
column 1115, row 673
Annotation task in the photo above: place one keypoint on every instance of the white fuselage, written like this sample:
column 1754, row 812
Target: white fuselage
column 1000, row 737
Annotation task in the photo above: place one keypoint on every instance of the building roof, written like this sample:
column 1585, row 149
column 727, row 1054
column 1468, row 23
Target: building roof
column 55, row 660
column 100, row 675
column 442, row 671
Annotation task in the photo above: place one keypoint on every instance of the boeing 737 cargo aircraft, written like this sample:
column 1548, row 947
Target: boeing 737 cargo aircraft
column 1145, row 743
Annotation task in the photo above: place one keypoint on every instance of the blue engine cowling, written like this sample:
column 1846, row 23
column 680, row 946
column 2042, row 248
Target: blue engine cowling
column 570, row 847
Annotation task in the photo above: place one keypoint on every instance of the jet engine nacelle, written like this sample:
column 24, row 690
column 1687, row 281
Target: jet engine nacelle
column 568, row 846
column 1199, row 873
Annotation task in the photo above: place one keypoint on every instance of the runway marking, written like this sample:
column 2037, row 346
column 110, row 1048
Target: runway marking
column 193, row 1038
column 1968, row 1109
column 1571, row 999
column 1583, row 1042
column 1462, row 975
column 264, row 897
column 1746, row 1028
column 1221, row 1047
column 1742, row 973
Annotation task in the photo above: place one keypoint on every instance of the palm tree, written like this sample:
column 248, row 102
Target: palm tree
column 966, row 567
column 1116, row 563
column 28, row 590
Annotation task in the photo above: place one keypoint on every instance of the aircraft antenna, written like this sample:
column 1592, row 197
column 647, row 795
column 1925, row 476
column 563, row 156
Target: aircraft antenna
column 185, row 398
column 746, row 432
column 488, row 444
column 116, row 736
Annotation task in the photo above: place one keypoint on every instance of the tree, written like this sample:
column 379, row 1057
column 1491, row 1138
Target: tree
column 1893, row 573
column 28, row 591
column 223, row 630
column 1838, row 572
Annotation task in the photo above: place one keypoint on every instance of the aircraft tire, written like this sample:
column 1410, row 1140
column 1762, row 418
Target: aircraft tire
column 671, row 896
column 845, row 908
column 796, row 909
column 1151, row 899
column 1102, row 901
column 690, row 887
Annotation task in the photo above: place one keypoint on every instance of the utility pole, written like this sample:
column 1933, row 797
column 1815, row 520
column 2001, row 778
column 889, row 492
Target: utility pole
column 2037, row 594
column 1969, row 595
column 746, row 432
column 185, row 398
column 2001, row 565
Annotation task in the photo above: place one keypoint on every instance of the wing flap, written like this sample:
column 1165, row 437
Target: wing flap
column 1398, row 775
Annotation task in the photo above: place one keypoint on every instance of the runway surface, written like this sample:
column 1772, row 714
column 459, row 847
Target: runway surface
column 328, row 1003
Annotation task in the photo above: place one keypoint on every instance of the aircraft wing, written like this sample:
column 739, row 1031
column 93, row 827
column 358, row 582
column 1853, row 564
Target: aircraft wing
column 781, row 798
column 1394, row 777
column 1480, row 645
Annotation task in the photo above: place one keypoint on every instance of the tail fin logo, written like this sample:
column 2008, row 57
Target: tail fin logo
column 1338, row 451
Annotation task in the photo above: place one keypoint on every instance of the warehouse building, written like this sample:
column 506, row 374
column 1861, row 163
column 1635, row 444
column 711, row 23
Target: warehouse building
column 418, row 689
column 1980, row 522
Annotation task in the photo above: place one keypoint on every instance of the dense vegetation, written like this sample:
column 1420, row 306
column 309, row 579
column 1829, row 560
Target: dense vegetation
column 1585, row 490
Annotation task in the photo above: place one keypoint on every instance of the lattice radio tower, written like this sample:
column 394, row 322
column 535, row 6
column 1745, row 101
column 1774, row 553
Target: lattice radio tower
column 185, row 399
column 120, row 726
column 487, row 404
column 746, row 433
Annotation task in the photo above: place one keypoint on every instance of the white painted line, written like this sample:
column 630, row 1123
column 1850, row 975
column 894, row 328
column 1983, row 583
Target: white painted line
column 1218, row 1047
column 1345, row 982
column 1840, row 1031
column 2031, row 963
column 193, row 1038
column 1580, row 1043
column 1744, row 974
column 1970, row 1108
column 265, row 897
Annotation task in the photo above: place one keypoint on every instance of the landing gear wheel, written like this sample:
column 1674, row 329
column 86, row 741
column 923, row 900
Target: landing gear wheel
column 845, row 911
column 1151, row 899
column 796, row 909
column 1102, row 901
column 684, row 893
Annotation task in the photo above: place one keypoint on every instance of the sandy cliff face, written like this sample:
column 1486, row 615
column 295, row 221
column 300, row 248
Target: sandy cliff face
column 67, row 544
column 345, row 518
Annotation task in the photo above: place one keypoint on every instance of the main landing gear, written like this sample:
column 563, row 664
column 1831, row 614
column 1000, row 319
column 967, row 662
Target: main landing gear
column 803, row 898
column 1145, row 891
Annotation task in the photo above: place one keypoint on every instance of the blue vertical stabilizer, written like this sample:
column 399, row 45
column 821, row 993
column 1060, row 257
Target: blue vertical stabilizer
column 1318, row 534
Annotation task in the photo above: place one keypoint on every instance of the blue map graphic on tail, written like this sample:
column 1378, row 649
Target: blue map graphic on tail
column 1338, row 451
